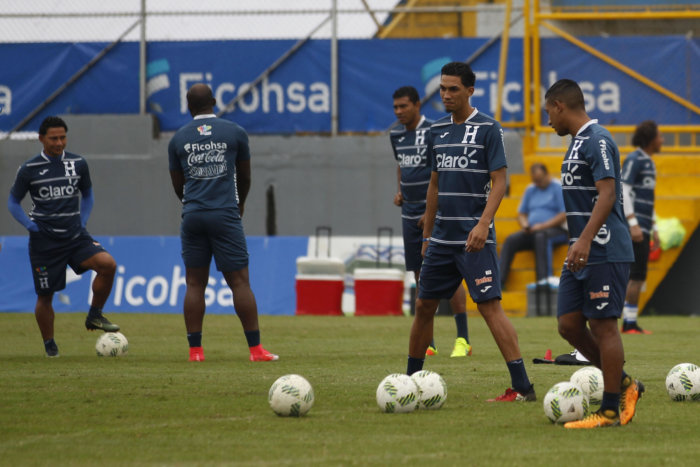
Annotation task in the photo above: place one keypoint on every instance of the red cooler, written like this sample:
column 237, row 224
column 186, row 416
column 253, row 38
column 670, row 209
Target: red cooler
column 379, row 292
column 319, row 285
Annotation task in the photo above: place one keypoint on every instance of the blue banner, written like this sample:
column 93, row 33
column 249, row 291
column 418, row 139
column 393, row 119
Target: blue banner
column 32, row 72
column 151, row 277
column 296, row 96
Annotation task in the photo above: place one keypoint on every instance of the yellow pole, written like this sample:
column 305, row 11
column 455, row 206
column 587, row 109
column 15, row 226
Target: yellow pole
column 623, row 68
column 527, row 79
column 536, row 78
column 621, row 15
column 503, row 62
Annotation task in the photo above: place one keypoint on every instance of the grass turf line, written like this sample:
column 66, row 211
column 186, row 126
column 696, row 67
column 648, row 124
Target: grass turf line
column 154, row 407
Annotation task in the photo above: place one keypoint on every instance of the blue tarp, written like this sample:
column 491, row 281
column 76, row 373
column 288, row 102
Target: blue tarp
column 151, row 277
column 296, row 96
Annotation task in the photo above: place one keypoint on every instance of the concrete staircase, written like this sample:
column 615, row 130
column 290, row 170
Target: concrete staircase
column 677, row 195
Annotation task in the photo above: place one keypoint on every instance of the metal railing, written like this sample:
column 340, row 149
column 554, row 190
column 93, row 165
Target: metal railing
column 539, row 138
column 138, row 20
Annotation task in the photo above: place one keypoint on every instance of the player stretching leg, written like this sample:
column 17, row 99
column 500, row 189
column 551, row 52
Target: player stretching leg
column 413, row 174
column 59, row 185
column 210, row 171
column 638, row 182
column 592, row 286
column 467, row 183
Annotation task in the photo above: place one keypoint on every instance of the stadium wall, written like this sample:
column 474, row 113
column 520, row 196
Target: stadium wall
column 346, row 182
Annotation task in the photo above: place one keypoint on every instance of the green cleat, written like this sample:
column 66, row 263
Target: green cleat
column 100, row 322
column 461, row 348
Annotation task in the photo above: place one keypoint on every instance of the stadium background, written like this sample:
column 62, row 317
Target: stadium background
column 318, row 120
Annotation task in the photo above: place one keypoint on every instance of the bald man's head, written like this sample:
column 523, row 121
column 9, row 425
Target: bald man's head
column 200, row 100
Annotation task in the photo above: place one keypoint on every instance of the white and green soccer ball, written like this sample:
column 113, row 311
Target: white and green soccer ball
column 432, row 389
column 112, row 344
column 397, row 393
column 683, row 382
column 565, row 402
column 590, row 380
column 291, row 396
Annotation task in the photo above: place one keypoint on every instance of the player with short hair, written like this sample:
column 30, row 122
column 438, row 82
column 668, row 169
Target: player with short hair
column 59, row 185
column 467, row 183
column 413, row 174
column 638, row 183
column 210, row 172
column 592, row 284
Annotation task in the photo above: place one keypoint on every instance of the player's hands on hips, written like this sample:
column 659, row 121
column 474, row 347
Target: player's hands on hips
column 241, row 208
column 636, row 234
column 577, row 256
column 421, row 221
column 424, row 248
column 33, row 227
column 477, row 238
column 398, row 199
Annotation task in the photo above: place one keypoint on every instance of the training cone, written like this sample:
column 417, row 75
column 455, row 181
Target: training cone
column 548, row 354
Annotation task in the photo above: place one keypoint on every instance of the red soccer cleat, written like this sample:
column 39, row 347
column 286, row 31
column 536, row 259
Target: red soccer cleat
column 196, row 354
column 258, row 354
column 633, row 328
column 511, row 395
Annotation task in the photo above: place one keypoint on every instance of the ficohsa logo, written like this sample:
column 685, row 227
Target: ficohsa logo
column 162, row 291
column 268, row 97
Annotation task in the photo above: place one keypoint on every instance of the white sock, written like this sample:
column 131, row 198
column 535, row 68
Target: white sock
column 629, row 313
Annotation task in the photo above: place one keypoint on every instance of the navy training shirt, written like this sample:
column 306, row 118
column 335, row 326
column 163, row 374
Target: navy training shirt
column 639, row 171
column 410, row 151
column 55, row 185
column 206, row 151
column 464, row 155
column 593, row 156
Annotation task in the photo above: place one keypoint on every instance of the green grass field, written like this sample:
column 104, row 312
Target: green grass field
column 154, row 407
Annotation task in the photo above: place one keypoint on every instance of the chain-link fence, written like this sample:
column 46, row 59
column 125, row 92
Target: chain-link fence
column 109, row 23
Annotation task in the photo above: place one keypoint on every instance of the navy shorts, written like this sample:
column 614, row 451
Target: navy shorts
column 412, row 243
column 598, row 290
column 217, row 233
column 49, row 258
column 444, row 267
column 638, row 270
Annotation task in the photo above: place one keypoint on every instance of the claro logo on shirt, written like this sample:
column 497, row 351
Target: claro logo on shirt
column 56, row 192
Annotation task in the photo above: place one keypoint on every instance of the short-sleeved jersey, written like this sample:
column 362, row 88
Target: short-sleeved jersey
column 639, row 171
column 206, row 151
column 463, row 156
column 54, row 185
column 542, row 204
column 410, row 151
column 593, row 156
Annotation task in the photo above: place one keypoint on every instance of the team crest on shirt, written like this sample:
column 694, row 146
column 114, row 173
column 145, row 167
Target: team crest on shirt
column 204, row 130
column 70, row 168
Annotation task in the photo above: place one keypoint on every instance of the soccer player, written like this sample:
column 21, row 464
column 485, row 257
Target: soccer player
column 467, row 183
column 210, row 171
column 413, row 174
column 59, row 185
column 593, row 280
column 638, row 183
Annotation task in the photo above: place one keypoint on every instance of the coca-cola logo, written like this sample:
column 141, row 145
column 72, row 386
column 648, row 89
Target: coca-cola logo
column 213, row 156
